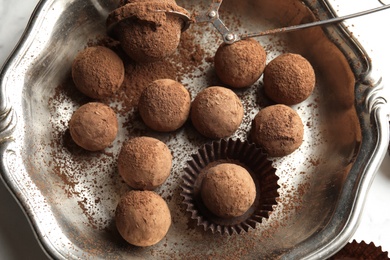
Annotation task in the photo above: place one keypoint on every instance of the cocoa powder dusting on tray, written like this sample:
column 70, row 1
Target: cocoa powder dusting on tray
column 70, row 162
column 138, row 77
column 188, row 57
column 98, row 193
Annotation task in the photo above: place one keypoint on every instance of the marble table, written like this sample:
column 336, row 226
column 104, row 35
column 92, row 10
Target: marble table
column 17, row 240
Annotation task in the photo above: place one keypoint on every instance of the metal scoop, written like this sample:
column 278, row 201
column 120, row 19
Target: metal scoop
column 229, row 37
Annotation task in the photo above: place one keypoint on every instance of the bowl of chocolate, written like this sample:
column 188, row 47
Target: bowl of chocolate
column 70, row 194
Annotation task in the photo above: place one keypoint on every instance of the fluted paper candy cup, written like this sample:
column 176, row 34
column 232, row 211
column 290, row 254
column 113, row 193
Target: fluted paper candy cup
column 360, row 251
column 246, row 155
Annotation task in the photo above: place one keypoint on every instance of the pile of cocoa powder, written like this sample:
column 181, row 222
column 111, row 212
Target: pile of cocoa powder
column 188, row 58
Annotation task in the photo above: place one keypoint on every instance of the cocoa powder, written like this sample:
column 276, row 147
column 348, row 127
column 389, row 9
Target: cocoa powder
column 165, row 105
column 71, row 162
column 278, row 129
column 138, row 76
column 228, row 190
column 142, row 218
column 93, row 126
column 144, row 163
column 188, row 57
column 240, row 64
column 145, row 33
column 98, row 72
column 216, row 112
column 289, row 79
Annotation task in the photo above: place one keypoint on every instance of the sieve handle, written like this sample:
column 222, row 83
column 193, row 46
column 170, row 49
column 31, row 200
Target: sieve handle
column 316, row 23
column 229, row 37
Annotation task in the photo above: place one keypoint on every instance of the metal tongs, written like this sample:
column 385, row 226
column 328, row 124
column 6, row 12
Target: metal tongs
column 229, row 37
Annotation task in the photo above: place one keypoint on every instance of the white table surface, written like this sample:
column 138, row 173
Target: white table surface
column 17, row 240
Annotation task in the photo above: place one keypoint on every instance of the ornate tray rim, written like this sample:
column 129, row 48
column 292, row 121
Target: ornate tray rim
column 323, row 244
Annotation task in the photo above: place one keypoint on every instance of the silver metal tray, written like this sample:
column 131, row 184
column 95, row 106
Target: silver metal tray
column 70, row 195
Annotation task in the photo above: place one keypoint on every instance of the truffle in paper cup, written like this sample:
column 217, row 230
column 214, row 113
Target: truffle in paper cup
column 360, row 251
column 246, row 155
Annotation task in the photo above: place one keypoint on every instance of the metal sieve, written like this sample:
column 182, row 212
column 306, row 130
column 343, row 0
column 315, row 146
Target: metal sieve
column 229, row 37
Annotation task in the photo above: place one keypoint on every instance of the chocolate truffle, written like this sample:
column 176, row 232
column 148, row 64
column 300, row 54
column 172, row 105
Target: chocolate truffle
column 289, row 79
column 98, row 72
column 151, row 34
column 93, row 126
column 240, row 64
column 241, row 158
column 278, row 129
column 216, row 112
column 144, row 163
column 164, row 105
column 228, row 190
column 142, row 218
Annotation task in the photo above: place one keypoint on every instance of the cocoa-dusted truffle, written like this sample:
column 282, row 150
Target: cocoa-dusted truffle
column 278, row 129
column 289, row 79
column 142, row 218
column 164, row 105
column 236, row 154
column 93, row 126
column 98, row 72
column 240, row 64
column 216, row 112
column 144, row 162
column 146, row 32
column 228, row 190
